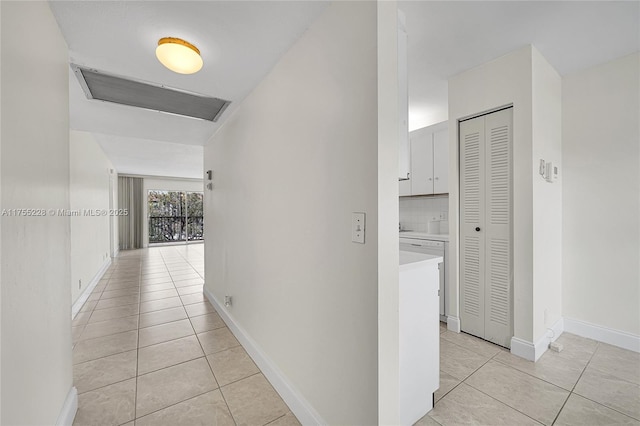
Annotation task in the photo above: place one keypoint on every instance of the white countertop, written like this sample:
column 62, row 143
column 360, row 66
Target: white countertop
column 424, row 236
column 410, row 259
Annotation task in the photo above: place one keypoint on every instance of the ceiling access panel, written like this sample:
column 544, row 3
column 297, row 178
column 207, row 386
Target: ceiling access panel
column 124, row 91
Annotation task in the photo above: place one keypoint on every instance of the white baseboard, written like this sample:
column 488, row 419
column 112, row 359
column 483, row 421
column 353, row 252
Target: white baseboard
column 523, row 349
column 453, row 324
column 305, row 413
column 88, row 289
column 69, row 409
column 603, row 334
column 115, row 253
column 552, row 334
column 533, row 351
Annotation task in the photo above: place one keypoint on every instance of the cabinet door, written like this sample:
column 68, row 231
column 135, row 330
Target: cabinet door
column 404, row 187
column 422, row 164
column 441, row 162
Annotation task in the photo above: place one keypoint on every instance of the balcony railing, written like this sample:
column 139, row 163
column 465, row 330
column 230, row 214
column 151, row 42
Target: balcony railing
column 164, row 229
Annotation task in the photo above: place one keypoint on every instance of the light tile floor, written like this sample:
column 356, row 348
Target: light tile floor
column 149, row 347
column 587, row 383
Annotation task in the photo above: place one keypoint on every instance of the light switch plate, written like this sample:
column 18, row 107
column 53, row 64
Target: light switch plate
column 357, row 227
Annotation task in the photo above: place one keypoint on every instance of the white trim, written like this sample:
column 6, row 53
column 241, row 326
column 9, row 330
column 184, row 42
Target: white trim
column 88, row 289
column 69, row 408
column 603, row 334
column 533, row 351
column 302, row 409
column 552, row 334
column 453, row 324
column 523, row 349
column 115, row 253
column 541, row 345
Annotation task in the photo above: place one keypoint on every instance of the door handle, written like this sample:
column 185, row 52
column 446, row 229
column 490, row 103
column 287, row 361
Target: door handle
column 477, row 229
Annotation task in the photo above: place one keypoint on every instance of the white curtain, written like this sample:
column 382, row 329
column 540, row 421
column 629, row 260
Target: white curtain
column 130, row 197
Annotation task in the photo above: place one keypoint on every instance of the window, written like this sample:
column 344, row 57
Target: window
column 175, row 216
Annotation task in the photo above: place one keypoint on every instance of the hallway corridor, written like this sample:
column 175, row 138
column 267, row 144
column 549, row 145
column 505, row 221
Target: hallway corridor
column 149, row 347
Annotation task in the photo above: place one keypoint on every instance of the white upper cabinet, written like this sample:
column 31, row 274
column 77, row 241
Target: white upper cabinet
column 429, row 153
column 421, row 163
column 441, row 162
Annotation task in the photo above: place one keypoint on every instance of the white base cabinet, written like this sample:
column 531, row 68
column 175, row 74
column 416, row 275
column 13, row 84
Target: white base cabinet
column 419, row 334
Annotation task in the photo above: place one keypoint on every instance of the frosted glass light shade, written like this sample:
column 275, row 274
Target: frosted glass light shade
column 178, row 55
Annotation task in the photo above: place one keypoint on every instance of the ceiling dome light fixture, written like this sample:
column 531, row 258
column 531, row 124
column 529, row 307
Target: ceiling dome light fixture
column 178, row 55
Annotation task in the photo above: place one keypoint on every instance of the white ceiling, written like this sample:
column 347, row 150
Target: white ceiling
column 241, row 41
column 448, row 37
column 153, row 158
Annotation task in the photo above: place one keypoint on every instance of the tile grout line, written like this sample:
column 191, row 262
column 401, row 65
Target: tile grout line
column 171, row 405
column 207, row 359
column 140, row 260
column 589, row 399
column 503, row 403
column 135, row 397
column 211, row 369
column 484, row 393
column 194, row 334
column 92, row 311
column 531, row 375
column 475, row 352
column 575, row 384
column 106, row 356
column 473, row 387
column 606, row 406
column 570, row 392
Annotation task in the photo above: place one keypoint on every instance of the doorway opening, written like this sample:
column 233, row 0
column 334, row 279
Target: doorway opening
column 175, row 217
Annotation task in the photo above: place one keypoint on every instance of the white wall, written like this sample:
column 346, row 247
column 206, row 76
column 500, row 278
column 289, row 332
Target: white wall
column 89, row 176
column 601, row 184
column 504, row 81
column 417, row 212
column 547, row 197
column 114, row 238
column 0, row 223
column 389, row 110
column 164, row 184
column 526, row 80
column 36, row 299
column 289, row 170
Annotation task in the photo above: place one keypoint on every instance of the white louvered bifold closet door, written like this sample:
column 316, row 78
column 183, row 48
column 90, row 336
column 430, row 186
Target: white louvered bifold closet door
column 486, row 272
column 472, row 176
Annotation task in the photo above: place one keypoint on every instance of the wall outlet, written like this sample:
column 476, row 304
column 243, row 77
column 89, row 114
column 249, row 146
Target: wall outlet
column 227, row 301
column 79, row 284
